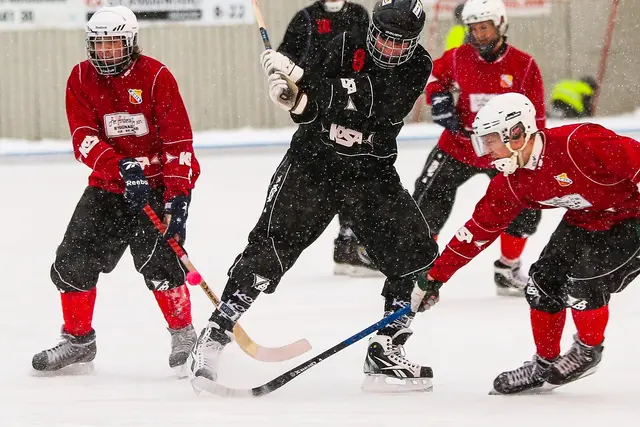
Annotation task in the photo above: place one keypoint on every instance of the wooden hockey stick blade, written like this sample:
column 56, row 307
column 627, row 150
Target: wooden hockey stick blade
column 249, row 346
column 201, row 384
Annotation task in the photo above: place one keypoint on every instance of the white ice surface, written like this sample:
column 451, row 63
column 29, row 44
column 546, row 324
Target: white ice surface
column 470, row 336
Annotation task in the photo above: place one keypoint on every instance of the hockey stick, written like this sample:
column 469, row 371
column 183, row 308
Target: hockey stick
column 260, row 20
column 202, row 383
column 265, row 40
column 254, row 350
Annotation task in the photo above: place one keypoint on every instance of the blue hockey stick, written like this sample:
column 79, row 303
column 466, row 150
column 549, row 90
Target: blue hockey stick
column 200, row 383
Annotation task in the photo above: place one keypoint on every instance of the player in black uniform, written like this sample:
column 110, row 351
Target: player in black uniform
column 305, row 43
column 341, row 161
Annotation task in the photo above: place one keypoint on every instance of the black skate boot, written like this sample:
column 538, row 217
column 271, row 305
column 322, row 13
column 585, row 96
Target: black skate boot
column 73, row 355
column 205, row 355
column 351, row 259
column 580, row 361
column 387, row 370
column 509, row 281
column 182, row 341
column 529, row 377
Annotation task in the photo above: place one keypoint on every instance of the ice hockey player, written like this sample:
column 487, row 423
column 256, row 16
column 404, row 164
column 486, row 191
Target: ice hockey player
column 305, row 43
column 341, row 161
column 594, row 174
column 481, row 69
column 129, row 125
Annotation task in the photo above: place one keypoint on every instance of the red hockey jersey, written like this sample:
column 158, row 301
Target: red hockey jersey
column 138, row 114
column 479, row 81
column 587, row 169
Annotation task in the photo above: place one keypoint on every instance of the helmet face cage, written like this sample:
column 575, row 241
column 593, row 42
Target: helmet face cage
column 115, row 57
column 388, row 50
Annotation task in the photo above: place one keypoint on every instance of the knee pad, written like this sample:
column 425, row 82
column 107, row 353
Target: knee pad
column 72, row 278
column 163, row 284
column 261, row 271
column 543, row 297
column 581, row 296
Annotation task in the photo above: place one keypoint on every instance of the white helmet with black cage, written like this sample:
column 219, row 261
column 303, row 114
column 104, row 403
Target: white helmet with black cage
column 511, row 116
column 394, row 31
column 112, row 39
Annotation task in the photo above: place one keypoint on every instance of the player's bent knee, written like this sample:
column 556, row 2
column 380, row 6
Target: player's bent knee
column 542, row 299
column 581, row 297
column 256, row 273
column 398, row 288
column 66, row 281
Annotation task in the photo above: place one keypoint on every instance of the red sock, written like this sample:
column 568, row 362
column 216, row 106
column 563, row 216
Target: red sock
column 511, row 246
column 77, row 311
column 591, row 324
column 547, row 332
column 175, row 305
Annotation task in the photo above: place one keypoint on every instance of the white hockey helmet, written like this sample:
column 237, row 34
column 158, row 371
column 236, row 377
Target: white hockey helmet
column 110, row 24
column 509, row 115
column 486, row 10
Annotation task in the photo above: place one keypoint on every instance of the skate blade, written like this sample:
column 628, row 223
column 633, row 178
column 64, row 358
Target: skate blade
column 181, row 371
column 71, row 370
column 543, row 389
column 387, row 384
column 355, row 271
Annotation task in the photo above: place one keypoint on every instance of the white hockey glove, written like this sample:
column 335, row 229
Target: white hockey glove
column 286, row 95
column 273, row 62
column 425, row 294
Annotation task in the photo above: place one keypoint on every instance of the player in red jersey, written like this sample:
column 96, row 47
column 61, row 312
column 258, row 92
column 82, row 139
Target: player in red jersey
column 484, row 67
column 594, row 174
column 129, row 125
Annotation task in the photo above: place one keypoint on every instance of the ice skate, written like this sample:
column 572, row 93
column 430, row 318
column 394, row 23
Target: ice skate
column 580, row 361
column 182, row 341
column 351, row 259
column 508, row 279
column 387, row 370
column 203, row 359
column 530, row 377
column 72, row 356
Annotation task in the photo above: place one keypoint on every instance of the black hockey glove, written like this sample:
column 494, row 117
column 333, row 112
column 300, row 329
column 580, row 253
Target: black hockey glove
column 443, row 112
column 176, row 212
column 426, row 293
column 136, row 186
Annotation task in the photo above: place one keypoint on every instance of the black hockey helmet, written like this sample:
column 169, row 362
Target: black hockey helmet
column 591, row 81
column 394, row 31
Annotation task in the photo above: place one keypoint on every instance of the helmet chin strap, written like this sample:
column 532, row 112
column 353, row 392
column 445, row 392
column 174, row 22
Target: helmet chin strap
column 510, row 164
column 335, row 6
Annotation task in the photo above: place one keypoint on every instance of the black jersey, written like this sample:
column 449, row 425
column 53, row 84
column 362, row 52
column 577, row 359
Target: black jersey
column 356, row 107
column 313, row 28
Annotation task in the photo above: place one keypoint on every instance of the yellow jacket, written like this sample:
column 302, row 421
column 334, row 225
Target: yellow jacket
column 455, row 37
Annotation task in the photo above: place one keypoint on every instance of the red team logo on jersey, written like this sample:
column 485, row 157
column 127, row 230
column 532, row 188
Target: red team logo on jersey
column 563, row 180
column 506, row 80
column 324, row 26
column 135, row 96
column 358, row 60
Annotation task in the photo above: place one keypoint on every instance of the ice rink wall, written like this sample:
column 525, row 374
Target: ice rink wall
column 223, row 86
